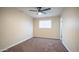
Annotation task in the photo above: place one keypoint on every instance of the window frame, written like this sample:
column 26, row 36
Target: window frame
column 49, row 25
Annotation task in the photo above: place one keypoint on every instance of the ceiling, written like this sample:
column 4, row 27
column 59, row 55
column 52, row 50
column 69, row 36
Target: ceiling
column 55, row 11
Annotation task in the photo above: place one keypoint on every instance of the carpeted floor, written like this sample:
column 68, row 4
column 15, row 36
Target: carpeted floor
column 39, row 45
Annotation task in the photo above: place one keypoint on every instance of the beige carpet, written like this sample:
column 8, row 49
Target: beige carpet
column 39, row 45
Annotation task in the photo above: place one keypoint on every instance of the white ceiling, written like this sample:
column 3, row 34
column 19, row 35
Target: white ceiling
column 55, row 11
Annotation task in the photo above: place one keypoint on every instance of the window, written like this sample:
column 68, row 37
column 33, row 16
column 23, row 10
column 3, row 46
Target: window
column 44, row 23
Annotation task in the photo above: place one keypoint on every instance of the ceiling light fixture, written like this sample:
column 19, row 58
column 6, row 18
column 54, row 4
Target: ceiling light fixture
column 39, row 13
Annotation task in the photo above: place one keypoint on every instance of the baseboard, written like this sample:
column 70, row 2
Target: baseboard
column 66, row 46
column 16, row 43
column 47, row 38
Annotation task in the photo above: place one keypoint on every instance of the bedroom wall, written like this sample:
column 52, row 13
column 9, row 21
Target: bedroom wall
column 15, row 27
column 70, row 29
column 53, row 32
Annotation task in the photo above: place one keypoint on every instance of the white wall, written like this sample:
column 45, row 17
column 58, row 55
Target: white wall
column 53, row 32
column 70, row 29
column 15, row 27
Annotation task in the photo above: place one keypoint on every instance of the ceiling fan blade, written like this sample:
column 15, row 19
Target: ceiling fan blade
column 46, row 9
column 43, row 12
column 33, row 10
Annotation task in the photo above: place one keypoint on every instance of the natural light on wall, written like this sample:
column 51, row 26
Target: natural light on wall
column 45, row 24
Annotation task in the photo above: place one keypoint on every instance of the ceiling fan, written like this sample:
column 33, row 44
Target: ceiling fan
column 40, row 10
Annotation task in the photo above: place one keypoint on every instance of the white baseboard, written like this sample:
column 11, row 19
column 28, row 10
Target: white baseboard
column 48, row 37
column 66, row 46
column 15, row 44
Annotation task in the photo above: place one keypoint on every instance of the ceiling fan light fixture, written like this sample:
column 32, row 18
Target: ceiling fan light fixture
column 39, row 13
